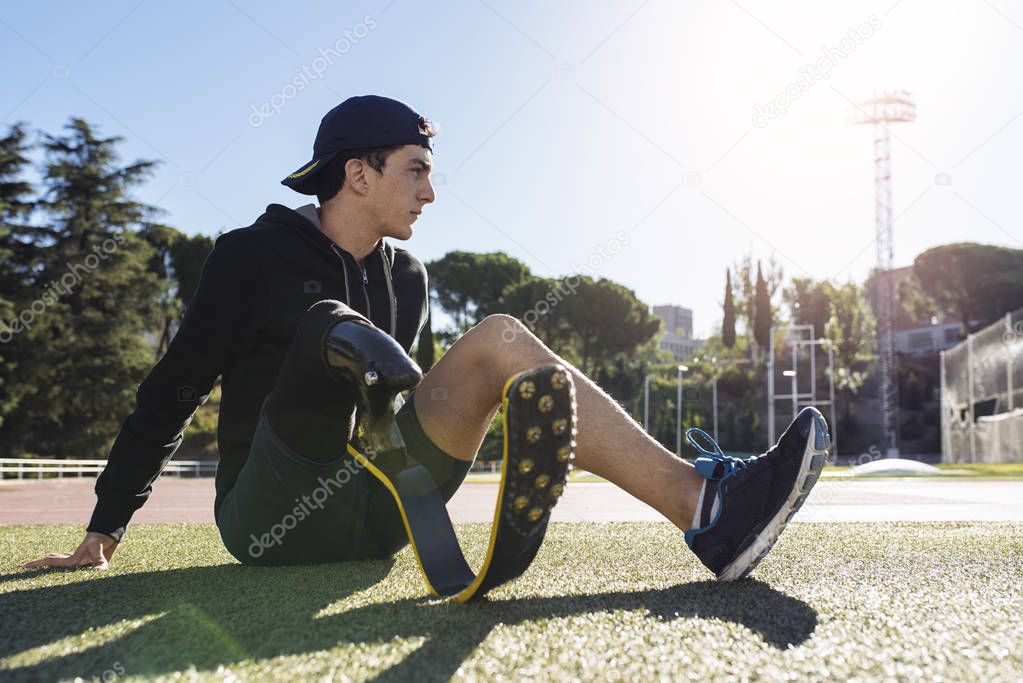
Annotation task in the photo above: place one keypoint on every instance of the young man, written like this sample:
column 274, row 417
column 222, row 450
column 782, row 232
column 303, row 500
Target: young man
column 285, row 303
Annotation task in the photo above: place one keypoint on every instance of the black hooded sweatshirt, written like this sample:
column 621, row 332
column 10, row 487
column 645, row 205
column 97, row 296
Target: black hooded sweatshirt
column 255, row 286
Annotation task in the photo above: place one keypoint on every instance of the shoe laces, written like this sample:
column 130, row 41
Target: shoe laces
column 714, row 464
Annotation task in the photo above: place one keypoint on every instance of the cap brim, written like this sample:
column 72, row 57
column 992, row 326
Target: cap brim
column 303, row 180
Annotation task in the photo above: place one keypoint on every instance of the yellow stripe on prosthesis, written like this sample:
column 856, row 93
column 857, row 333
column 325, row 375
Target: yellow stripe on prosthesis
column 470, row 590
column 365, row 462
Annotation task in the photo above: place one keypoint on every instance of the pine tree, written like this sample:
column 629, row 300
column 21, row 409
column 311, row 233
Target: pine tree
column 94, row 298
column 16, row 202
column 16, row 206
column 728, row 328
column 177, row 260
column 762, row 321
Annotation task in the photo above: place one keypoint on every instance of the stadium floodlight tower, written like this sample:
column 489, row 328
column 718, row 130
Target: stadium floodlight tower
column 886, row 107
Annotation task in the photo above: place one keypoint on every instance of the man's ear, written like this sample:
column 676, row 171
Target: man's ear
column 355, row 176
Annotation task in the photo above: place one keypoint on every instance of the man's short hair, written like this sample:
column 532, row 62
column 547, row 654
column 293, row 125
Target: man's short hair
column 333, row 175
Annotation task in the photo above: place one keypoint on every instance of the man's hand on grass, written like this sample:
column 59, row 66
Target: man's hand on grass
column 95, row 551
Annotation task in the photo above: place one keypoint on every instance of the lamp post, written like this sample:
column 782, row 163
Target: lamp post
column 646, row 403
column 714, row 395
column 678, row 417
column 795, row 402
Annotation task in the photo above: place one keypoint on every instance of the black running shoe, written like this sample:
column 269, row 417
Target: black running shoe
column 745, row 504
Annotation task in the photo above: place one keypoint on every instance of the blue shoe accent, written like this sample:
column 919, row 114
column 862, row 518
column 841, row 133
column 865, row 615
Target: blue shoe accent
column 713, row 465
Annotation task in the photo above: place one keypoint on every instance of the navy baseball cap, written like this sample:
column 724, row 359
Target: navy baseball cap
column 362, row 122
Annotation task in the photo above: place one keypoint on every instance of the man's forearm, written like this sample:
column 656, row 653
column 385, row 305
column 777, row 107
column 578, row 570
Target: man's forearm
column 127, row 480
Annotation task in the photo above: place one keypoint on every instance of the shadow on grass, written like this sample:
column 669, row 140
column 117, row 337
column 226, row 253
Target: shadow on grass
column 205, row 617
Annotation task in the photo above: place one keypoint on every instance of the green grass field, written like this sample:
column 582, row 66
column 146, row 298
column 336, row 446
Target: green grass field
column 602, row 601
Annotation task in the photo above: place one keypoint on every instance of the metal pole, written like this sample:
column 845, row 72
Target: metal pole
column 831, row 395
column 646, row 404
column 886, row 291
column 795, row 385
column 972, row 415
column 770, row 378
column 1008, row 362
column 678, row 416
column 770, row 391
column 945, row 448
column 714, row 391
column 888, row 107
column 813, row 367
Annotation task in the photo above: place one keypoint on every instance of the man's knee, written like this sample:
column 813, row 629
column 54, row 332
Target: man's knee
column 501, row 328
column 501, row 338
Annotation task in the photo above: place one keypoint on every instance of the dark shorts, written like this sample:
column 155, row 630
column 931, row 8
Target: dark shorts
column 287, row 509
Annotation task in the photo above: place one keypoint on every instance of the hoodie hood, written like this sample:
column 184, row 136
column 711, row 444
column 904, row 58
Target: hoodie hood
column 278, row 213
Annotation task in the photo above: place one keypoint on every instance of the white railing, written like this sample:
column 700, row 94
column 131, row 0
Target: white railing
column 39, row 468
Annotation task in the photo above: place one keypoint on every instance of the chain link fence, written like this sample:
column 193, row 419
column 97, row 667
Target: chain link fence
column 982, row 395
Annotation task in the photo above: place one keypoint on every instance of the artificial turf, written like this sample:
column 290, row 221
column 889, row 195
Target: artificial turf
column 602, row 601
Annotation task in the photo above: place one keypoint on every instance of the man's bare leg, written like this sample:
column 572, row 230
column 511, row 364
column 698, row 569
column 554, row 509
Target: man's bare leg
column 458, row 398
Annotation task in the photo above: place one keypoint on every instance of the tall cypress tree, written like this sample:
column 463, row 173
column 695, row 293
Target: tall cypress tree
column 728, row 328
column 94, row 299
column 762, row 322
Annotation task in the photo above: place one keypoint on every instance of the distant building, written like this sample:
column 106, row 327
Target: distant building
column 927, row 339
column 923, row 337
column 678, row 331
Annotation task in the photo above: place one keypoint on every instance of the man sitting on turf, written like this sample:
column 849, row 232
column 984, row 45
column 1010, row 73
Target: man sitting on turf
column 277, row 296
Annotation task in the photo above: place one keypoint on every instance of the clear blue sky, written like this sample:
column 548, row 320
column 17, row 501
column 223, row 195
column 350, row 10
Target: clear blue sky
column 565, row 123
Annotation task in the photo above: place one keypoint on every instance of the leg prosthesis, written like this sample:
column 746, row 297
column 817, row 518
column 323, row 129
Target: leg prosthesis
column 538, row 416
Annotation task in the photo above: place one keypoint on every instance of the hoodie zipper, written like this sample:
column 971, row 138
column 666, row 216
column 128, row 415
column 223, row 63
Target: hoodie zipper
column 392, row 301
column 365, row 292
column 344, row 269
